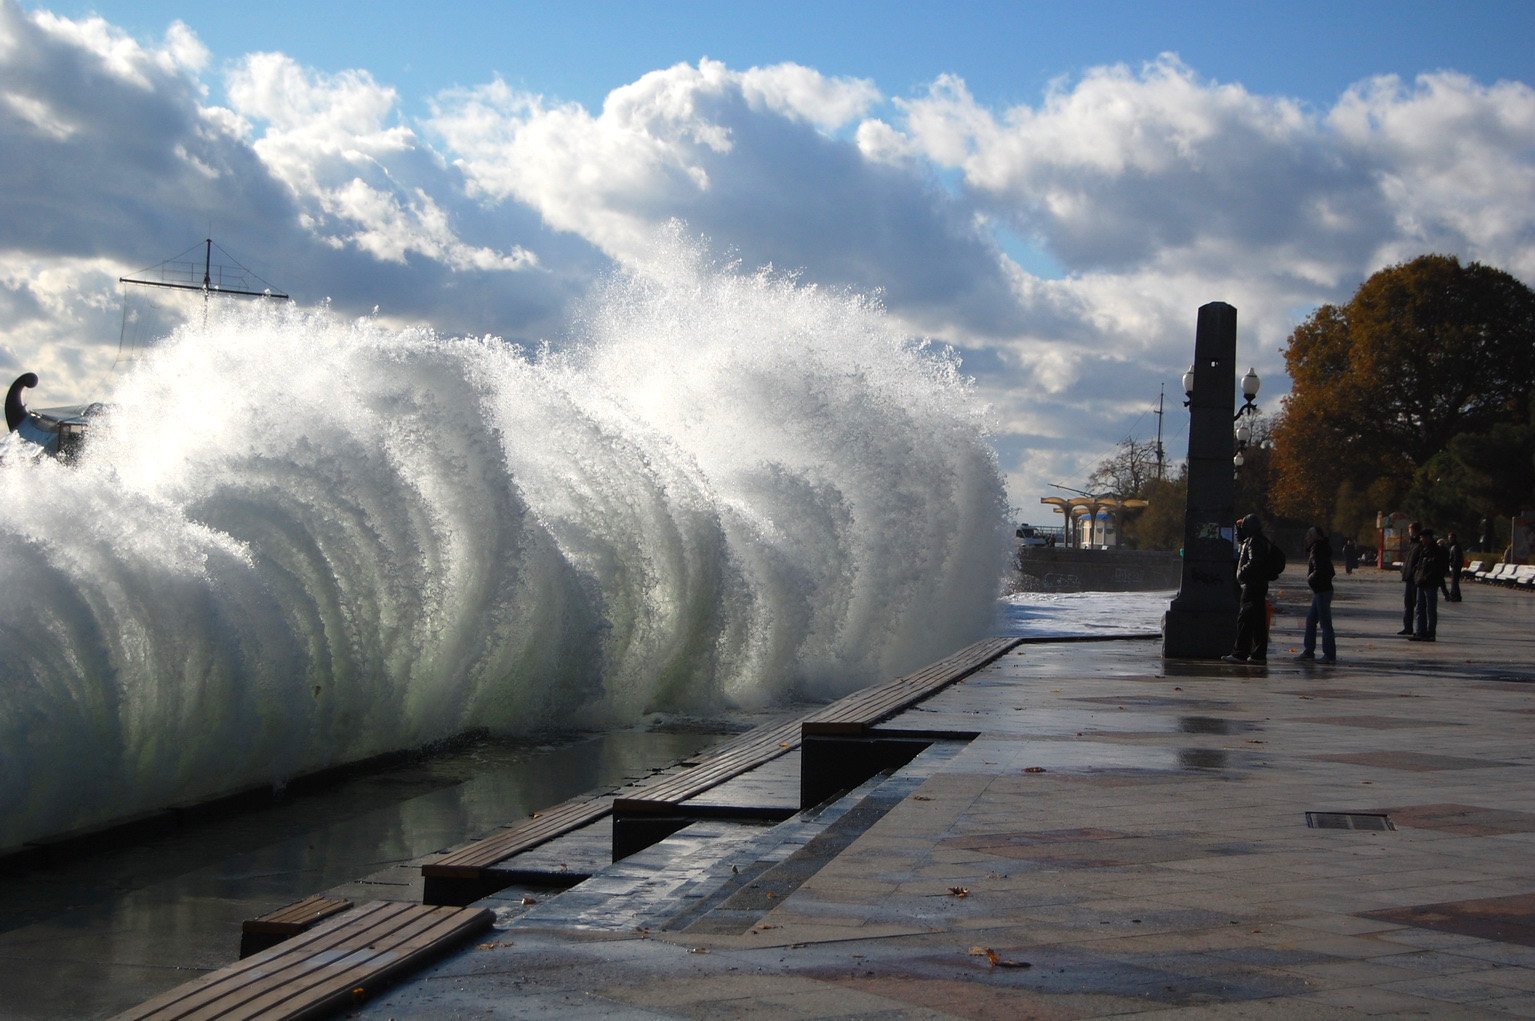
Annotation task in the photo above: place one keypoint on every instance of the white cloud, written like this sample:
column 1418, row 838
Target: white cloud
column 751, row 160
column 1453, row 159
column 1152, row 189
column 804, row 94
column 115, row 157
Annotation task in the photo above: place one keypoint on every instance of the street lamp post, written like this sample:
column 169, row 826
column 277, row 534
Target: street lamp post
column 1201, row 620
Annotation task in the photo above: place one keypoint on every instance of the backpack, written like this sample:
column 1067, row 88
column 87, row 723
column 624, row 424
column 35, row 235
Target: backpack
column 1276, row 561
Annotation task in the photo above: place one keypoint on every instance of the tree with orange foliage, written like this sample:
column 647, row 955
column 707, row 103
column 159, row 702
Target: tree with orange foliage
column 1424, row 351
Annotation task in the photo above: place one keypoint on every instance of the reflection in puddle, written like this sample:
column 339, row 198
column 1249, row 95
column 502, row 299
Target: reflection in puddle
column 1203, row 758
column 1211, row 725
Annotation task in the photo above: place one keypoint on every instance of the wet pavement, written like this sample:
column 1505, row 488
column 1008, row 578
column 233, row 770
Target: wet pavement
column 1124, row 836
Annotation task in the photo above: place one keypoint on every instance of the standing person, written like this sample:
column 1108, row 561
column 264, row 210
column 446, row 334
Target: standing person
column 1253, row 569
column 1428, row 574
column 1410, row 587
column 1319, row 575
column 1350, row 555
column 1457, row 564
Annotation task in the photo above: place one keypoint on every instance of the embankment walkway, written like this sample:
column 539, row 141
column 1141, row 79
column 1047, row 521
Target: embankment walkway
column 1083, row 830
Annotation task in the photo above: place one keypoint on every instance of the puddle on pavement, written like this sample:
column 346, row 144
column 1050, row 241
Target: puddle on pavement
column 1106, row 757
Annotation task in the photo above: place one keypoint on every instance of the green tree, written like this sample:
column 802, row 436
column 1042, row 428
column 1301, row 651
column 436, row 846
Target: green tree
column 1159, row 525
column 1424, row 352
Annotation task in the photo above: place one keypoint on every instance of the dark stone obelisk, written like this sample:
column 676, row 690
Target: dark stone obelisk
column 1201, row 621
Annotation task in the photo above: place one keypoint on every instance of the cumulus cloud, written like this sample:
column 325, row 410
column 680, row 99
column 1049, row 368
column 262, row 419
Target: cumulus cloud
column 116, row 158
column 1159, row 191
column 751, row 159
column 1063, row 246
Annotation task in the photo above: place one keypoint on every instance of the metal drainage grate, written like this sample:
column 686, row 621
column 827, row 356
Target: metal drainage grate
column 1348, row 821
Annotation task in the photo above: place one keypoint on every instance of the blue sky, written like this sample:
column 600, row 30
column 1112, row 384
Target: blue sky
column 1051, row 188
column 1007, row 52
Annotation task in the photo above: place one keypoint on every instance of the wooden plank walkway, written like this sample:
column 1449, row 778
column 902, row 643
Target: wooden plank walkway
column 340, row 962
column 461, row 875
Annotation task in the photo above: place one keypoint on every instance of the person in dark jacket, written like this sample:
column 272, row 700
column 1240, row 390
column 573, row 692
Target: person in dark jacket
column 1350, row 555
column 1428, row 572
column 1457, row 564
column 1252, row 611
column 1410, row 587
column 1319, row 574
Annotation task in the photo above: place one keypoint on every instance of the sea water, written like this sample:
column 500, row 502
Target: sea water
column 298, row 540
column 1083, row 614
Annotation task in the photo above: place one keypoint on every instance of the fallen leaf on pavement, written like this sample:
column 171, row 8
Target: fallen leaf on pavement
column 996, row 960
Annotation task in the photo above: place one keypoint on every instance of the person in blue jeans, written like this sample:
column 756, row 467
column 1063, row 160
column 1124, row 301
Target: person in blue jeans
column 1428, row 571
column 1319, row 574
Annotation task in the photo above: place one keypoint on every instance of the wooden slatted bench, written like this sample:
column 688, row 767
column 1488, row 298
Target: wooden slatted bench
column 257, row 934
column 858, row 712
column 464, row 874
column 838, row 753
column 339, row 962
column 651, row 811
column 461, row 876
column 657, row 810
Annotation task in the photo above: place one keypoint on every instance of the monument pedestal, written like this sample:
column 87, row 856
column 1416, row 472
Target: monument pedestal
column 1201, row 622
column 1198, row 634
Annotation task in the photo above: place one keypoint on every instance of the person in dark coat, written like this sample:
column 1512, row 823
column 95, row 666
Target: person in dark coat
column 1410, row 587
column 1253, row 576
column 1457, row 564
column 1319, row 575
column 1428, row 573
column 1350, row 555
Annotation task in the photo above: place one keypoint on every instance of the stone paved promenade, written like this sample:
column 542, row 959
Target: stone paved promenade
column 1125, row 837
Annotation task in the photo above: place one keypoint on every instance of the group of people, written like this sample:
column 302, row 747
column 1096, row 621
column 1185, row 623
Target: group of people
column 1430, row 566
column 1257, row 565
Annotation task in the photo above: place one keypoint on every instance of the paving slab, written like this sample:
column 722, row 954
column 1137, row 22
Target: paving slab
column 1126, row 836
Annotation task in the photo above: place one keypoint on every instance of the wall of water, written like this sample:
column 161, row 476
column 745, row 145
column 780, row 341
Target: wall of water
column 298, row 541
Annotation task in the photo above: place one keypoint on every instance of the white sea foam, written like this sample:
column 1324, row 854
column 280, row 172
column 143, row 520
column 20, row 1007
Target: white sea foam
column 1064, row 614
column 298, row 541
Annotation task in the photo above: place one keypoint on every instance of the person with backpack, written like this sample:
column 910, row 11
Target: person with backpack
column 1429, row 569
column 1256, row 567
column 1319, row 575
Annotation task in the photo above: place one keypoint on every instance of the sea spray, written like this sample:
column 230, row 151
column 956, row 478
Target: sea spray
column 296, row 541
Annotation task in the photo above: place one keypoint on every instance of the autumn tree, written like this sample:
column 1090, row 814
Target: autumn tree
column 1424, row 352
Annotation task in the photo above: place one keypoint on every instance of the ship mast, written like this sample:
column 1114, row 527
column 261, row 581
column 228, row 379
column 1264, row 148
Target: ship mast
column 207, row 286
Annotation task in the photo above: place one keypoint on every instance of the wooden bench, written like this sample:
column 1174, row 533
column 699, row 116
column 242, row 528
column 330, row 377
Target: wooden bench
column 855, row 714
column 339, row 962
column 838, row 752
column 462, row 875
column 270, row 929
column 651, row 811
